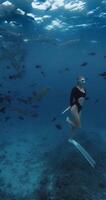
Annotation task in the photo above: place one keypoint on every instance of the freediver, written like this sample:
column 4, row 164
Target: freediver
column 77, row 98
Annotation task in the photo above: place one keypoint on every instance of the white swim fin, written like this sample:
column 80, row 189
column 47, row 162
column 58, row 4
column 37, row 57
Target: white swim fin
column 83, row 152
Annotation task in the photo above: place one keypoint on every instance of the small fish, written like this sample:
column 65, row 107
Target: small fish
column 54, row 119
column 66, row 69
column 104, row 56
column 38, row 66
column 58, row 126
column 87, row 98
column 102, row 74
column 13, row 77
column 84, row 64
column 92, row 54
column 2, row 109
column 8, row 67
column 20, row 117
column 9, row 91
column 43, row 74
column 17, row 76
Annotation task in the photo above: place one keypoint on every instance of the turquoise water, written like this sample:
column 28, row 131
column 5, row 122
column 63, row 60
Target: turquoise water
column 44, row 46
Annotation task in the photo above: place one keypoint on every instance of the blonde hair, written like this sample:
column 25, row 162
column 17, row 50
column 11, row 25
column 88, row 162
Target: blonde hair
column 80, row 77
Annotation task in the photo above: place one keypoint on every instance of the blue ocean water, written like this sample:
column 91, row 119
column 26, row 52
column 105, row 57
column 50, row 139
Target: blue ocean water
column 44, row 46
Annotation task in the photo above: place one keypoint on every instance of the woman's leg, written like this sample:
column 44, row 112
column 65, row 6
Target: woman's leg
column 70, row 122
column 76, row 116
column 75, row 122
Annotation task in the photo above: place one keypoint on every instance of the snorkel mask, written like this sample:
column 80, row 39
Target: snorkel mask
column 83, row 80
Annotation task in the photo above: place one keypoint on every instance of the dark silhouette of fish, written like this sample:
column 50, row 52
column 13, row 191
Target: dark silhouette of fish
column 13, row 77
column 18, row 75
column 104, row 56
column 92, row 54
column 8, row 67
column 54, row 119
column 103, row 74
column 66, row 69
column 9, row 91
column 58, row 126
column 38, row 66
column 87, row 98
column 43, row 74
column 84, row 64
column 20, row 117
column 2, row 109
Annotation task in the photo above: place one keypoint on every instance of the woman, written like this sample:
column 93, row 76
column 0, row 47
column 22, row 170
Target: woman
column 77, row 98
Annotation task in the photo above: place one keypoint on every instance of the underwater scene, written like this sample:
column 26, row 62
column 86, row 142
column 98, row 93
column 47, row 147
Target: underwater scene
column 53, row 100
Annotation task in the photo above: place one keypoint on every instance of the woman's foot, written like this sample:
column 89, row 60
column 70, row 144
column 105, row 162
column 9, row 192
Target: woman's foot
column 67, row 119
column 73, row 127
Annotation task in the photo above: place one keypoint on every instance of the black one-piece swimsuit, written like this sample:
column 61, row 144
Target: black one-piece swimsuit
column 75, row 95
